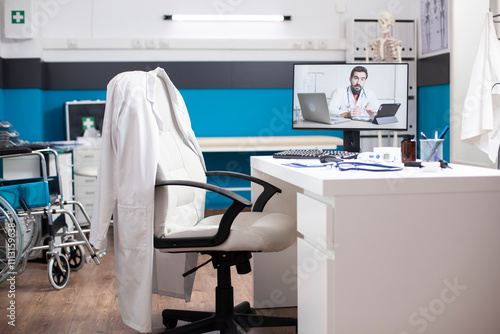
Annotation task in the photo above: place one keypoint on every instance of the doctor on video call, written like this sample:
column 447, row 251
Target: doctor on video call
column 354, row 100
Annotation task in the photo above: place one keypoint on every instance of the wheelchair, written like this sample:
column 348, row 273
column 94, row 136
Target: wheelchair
column 36, row 221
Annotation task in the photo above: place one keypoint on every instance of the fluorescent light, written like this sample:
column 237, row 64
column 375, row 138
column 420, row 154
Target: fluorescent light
column 230, row 18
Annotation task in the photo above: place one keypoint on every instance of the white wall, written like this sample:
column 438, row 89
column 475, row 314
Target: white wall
column 89, row 30
column 467, row 19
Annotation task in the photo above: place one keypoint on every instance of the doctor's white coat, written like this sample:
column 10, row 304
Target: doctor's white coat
column 481, row 112
column 125, row 190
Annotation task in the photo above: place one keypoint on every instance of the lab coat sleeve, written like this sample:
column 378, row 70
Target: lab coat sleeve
column 476, row 117
column 135, row 140
column 105, row 198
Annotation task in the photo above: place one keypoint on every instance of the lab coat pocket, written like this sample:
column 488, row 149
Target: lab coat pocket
column 133, row 229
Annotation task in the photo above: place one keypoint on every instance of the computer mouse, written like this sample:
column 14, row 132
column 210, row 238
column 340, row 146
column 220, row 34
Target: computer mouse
column 329, row 158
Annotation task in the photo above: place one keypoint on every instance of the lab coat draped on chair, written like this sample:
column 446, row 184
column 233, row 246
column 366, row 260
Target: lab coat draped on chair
column 126, row 191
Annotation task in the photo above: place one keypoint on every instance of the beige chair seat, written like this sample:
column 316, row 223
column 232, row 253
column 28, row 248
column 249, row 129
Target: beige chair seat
column 251, row 231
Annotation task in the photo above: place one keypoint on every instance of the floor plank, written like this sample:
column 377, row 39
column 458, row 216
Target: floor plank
column 88, row 304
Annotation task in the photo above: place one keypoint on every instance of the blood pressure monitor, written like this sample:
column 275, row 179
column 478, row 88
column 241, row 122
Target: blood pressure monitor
column 380, row 156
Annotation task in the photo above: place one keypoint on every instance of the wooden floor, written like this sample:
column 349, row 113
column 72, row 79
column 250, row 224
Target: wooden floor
column 88, row 304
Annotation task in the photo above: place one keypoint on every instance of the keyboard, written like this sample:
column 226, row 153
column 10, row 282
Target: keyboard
column 313, row 154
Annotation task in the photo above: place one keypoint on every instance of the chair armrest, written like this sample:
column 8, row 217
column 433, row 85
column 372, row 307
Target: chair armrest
column 239, row 203
column 269, row 189
column 206, row 186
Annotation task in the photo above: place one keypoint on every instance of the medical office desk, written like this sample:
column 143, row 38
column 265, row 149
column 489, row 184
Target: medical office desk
column 386, row 252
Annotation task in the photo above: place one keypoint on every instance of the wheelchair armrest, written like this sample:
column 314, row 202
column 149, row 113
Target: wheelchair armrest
column 14, row 150
column 239, row 203
column 269, row 189
column 19, row 151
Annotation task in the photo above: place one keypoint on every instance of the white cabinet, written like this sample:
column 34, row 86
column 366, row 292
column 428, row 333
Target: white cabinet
column 359, row 32
column 85, row 164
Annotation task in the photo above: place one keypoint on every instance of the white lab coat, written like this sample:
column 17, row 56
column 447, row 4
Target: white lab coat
column 481, row 112
column 126, row 180
column 343, row 99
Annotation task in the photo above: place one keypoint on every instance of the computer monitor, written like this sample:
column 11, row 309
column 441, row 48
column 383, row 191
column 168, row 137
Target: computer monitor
column 339, row 91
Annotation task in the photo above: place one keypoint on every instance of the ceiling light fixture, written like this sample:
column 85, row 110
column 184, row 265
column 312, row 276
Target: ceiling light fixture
column 228, row 18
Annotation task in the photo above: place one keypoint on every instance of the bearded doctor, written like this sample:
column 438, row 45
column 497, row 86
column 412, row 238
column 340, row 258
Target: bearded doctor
column 354, row 100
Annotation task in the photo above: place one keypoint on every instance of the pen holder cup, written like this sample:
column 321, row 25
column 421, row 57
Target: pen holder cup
column 431, row 149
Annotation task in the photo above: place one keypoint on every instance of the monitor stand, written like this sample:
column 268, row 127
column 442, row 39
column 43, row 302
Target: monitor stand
column 352, row 141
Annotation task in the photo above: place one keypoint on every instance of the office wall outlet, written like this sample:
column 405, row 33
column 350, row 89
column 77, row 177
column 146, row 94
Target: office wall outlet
column 137, row 43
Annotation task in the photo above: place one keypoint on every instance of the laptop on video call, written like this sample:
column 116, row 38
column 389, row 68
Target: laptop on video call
column 314, row 107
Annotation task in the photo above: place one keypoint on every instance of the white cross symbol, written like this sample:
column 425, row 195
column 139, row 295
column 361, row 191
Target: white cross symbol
column 18, row 17
column 88, row 123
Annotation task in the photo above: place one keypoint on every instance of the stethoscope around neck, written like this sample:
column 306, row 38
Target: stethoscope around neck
column 349, row 100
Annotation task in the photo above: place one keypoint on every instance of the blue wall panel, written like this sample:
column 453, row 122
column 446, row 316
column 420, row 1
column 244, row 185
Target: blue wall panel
column 23, row 110
column 39, row 114
column 243, row 112
column 434, row 113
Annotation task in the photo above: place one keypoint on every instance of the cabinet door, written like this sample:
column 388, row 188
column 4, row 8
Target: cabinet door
column 315, row 283
column 315, row 265
column 85, row 188
column 86, row 163
column 315, row 222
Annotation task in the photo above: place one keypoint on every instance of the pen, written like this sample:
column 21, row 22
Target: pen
column 425, row 138
column 443, row 133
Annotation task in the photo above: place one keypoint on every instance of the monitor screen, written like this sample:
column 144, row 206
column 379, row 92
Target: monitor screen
column 350, row 97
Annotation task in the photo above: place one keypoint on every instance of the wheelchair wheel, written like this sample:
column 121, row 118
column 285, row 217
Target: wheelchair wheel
column 75, row 255
column 58, row 275
column 11, row 240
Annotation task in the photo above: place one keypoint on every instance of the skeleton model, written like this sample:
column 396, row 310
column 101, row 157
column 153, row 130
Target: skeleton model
column 385, row 49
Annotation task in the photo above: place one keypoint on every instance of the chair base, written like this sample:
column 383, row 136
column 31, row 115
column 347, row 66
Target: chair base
column 202, row 322
column 227, row 318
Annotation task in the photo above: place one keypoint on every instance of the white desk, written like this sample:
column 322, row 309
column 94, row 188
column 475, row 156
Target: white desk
column 391, row 253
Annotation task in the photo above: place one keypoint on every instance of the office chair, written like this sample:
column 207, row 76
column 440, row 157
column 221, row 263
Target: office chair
column 229, row 238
